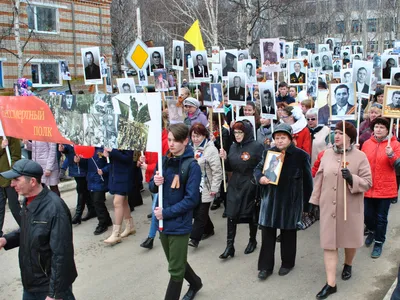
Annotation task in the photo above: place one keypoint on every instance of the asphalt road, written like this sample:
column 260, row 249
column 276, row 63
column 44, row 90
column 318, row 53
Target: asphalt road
column 127, row 271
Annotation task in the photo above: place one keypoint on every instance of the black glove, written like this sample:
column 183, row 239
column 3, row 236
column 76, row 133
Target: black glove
column 347, row 176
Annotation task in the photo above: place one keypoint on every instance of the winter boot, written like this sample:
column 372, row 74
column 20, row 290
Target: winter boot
column 129, row 228
column 115, row 236
column 195, row 283
column 252, row 245
column 230, row 249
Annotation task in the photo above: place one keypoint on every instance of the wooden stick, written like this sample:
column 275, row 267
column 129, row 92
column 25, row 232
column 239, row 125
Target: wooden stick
column 397, row 128
column 222, row 147
column 163, row 100
column 390, row 130
column 358, row 120
column 344, row 166
column 210, row 119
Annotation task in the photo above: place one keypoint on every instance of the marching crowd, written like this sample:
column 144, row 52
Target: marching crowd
column 292, row 172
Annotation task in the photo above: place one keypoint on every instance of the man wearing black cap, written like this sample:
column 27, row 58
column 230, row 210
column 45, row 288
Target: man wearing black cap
column 269, row 54
column 229, row 62
column 46, row 252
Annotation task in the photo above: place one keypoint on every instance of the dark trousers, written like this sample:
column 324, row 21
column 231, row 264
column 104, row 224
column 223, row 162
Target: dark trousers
column 134, row 195
column 99, row 199
column 83, row 196
column 202, row 222
column 266, row 259
column 42, row 296
column 376, row 216
column 12, row 196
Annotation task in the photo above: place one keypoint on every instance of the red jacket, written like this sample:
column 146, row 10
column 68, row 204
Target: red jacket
column 384, row 183
column 152, row 157
column 302, row 140
column 317, row 162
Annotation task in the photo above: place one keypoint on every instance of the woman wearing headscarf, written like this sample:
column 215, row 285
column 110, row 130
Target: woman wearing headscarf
column 331, row 181
column 243, row 156
column 194, row 114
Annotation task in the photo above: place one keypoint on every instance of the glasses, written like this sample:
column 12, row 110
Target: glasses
column 284, row 117
column 238, row 132
column 311, row 119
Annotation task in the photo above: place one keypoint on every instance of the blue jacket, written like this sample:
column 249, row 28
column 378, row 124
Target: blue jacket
column 120, row 179
column 73, row 169
column 286, row 99
column 95, row 183
column 178, row 204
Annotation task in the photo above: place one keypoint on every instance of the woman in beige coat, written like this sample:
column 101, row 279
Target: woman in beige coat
column 329, row 185
column 211, row 175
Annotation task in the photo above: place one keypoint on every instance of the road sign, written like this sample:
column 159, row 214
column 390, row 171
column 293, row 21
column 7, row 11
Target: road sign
column 138, row 55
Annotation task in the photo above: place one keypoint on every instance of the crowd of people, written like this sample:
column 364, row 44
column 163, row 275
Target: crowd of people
column 283, row 174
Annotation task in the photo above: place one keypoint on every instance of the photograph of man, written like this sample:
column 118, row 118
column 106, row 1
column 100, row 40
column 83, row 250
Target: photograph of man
column 267, row 102
column 270, row 172
column 216, row 97
column 269, row 54
column 68, row 102
column 377, row 61
column 395, row 100
column 91, row 61
column 160, row 80
column 337, row 66
column 336, row 51
column 395, row 74
column 304, row 54
column 65, row 74
column 177, row 54
column 228, row 64
column 362, row 76
column 250, row 70
column 288, row 50
column 200, row 65
column 236, row 91
column 323, row 48
column 297, row 76
column 341, row 96
column 346, row 58
column 103, row 65
column 243, row 54
column 156, row 58
column 126, row 85
column 346, row 75
column 315, row 61
column 389, row 63
column 326, row 62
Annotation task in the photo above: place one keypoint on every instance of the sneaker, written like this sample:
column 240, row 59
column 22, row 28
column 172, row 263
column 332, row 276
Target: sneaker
column 377, row 251
column 369, row 239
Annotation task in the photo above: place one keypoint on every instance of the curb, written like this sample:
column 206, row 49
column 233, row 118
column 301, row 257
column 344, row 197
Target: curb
column 66, row 186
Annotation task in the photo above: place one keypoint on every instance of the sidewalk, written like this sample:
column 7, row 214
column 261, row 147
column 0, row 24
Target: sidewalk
column 390, row 291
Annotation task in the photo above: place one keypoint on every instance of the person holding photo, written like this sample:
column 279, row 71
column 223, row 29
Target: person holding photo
column 282, row 205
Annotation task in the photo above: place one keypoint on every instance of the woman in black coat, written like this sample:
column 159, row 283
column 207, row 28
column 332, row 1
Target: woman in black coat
column 282, row 204
column 243, row 157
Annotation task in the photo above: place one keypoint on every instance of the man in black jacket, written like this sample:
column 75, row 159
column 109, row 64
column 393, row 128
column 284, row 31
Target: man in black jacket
column 46, row 252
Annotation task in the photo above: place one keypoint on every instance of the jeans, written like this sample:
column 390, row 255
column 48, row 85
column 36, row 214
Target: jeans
column 376, row 217
column 42, row 295
column 154, row 223
column 12, row 196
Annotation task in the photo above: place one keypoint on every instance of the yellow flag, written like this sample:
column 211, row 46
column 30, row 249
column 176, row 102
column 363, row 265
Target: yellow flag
column 193, row 36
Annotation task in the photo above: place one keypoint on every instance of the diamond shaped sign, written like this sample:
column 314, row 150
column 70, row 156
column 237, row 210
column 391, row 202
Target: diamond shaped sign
column 138, row 56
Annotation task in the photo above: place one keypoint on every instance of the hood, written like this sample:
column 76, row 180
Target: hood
column 248, row 133
column 299, row 125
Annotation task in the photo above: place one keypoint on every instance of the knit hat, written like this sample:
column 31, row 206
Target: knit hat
column 351, row 131
column 190, row 101
column 380, row 120
column 285, row 128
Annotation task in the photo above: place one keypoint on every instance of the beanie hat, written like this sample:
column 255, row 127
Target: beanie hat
column 351, row 131
column 190, row 101
column 380, row 120
column 285, row 128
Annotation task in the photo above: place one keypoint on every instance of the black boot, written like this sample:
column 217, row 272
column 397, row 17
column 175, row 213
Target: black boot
column 148, row 243
column 194, row 281
column 89, row 204
column 252, row 245
column 90, row 215
column 80, row 205
column 173, row 290
column 230, row 249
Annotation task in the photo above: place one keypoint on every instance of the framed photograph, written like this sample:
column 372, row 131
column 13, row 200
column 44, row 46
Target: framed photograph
column 64, row 70
column 200, row 65
column 171, row 81
column 323, row 48
column 337, row 66
column 190, row 68
column 395, row 77
column 214, row 55
column 312, row 83
column 336, row 51
column 243, row 54
column 205, row 93
column 270, row 55
column 126, row 85
column 178, row 48
column 346, row 75
column 391, row 102
column 213, row 76
column 142, row 77
column 388, row 62
column 175, row 113
column 315, row 61
column 249, row 68
column 273, row 166
column 103, row 66
column 288, row 50
column 343, row 101
column 217, row 68
column 109, row 86
column 297, row 72
column 237, row 88
column 91, row 65
column 228, row 62
column 362, row 75
column 160, row 80
column 303, row 53
column 355, row 57
column 358, row 49
column 267, row 100
column 156, row 59
column 330, row 42
column 326, row 62
column 217, row 97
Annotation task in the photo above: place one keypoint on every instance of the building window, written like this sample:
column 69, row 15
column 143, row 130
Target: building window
column 339, row 26
column 311, row 28
column 372, row 46
column 371, row 25
column 388, row 24
column 45, row 73
column 1, row 75
column 42, row 18
column 282, row 30
column 356, row 26
column 387, row 45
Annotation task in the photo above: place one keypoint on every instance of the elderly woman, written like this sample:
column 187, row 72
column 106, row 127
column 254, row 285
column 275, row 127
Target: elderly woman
column 295, row 118
column 330, row 183
column 282, row 204
column 243, row 156
column 194, row 115
column 374, row 112
column 319, row 134
column 382, row 157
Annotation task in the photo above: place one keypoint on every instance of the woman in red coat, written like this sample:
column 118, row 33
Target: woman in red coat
column 381, row 157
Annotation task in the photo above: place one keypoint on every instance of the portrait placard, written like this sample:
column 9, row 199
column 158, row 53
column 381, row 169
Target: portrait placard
column 346, row 75
column 312, row 83
column 175, row 112
column 267, row 100
column 343, row 101
column 142, row 77
column 323, row 48
column 297, row 72
column 391, row 102
column 330, row 42
column 217, row 97
column 303, row 53
column 326, row 62
column 214, row 55
column 270, row 55
column 177, row 55
column 316, row 61
column 395, row 77
column 362, row 76
column 103, row 66
column 109, row 86
column 156, row 58
column 237, row 88
column 213, row 76
column 160, row 80
column 126, row 85
column 64, row 71
column 228, row 62
column 273, row 166
column 206, row 93
column 288, row 54
column 218, row 69
column 200, row 65
column 355, row 57
column 249, row 68
column 243, row 54
column 388, row 62
column 91, row 65
column 337, row 66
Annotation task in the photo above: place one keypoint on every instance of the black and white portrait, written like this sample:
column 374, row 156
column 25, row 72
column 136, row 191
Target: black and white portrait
column 171, row 81
column 206, row 93
column 323, row 48
column 68, row 102
column 342, row 101
column 270, row 55
column 228, row 62
column 326, row 62
column 103, row 66
column 237, row 88
column 142, row 77
column 213, row 76
column 355, row 57
column 297, row 72
column 249, row 68
column 303, row 53
column 217, row 68
column 358, row 49
column 126, row 85
column 217, row 97
column 336, row 51
column 64, row 70
column 91, row 65
column 346, row 75
column 388, row 62
column 288, row 50
column 200, row 65
column 312, row 83
column 177, row 55
column 109, row 86
column 395, row 77
column 160, row 80
column 330, row 42
column 156, row 58
column 337, row 66
column 243, row 54
column 377, row 62
column 190, row 68
column 391, row 102
column 316, row 61
column 362, row 75
column 267, row 99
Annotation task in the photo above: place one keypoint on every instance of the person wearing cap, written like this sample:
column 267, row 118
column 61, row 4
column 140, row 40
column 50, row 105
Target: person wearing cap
column 333, row 178
column 194, row 115
column 269, row 53
column 382, row 158
column 46, row 251
column 229, row 64
column 282, row 204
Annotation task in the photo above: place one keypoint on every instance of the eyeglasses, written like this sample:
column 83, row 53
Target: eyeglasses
column 284, row 117
column 238, row 132
column 311, row 119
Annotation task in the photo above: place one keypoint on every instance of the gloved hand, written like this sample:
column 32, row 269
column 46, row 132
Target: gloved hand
column 347, row 176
